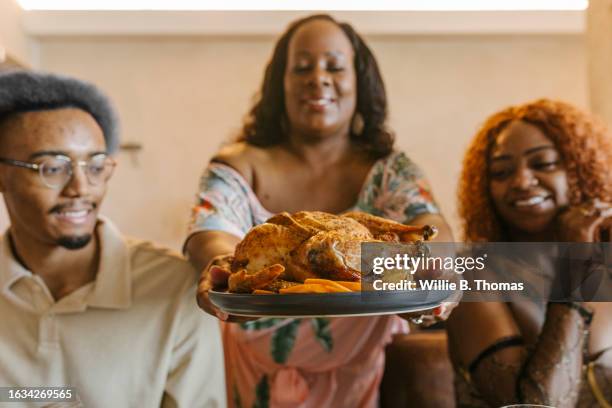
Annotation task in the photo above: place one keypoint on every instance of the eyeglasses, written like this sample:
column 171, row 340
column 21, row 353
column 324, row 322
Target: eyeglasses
column 56, row 171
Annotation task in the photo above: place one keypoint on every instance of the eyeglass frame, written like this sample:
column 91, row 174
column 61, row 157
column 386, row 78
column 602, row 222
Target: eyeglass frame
column 80, row 163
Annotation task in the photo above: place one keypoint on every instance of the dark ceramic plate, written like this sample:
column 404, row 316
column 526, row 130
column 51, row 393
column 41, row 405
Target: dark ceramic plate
column 329, row 304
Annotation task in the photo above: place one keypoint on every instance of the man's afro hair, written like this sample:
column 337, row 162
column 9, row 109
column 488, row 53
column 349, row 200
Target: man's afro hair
column 26, row 91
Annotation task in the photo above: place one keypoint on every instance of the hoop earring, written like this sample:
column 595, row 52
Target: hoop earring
column 357, row 124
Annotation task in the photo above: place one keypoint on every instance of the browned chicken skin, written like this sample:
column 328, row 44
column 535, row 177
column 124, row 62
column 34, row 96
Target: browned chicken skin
column 312, row 244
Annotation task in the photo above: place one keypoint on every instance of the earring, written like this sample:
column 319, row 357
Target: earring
column 357, row 125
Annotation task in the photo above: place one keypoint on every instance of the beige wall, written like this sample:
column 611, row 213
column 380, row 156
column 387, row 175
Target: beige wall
column 599, row 55
column 12, row 37
column 13, row 46
column 182, row 97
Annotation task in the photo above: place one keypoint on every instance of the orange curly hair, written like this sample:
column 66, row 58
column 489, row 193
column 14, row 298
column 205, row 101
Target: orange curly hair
column 581, row 139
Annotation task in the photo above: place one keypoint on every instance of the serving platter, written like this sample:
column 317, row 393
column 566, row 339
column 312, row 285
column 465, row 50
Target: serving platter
column 329, row 304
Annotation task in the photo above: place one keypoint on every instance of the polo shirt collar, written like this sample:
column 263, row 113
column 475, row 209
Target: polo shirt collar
column 112, row 287
column 10, row 269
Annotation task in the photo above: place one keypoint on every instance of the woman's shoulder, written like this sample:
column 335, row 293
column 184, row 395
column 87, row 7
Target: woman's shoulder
column 397, row 157
column 398, row 164
column 241, row 157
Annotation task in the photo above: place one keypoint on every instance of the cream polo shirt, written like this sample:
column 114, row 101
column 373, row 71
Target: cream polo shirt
column 132, row 338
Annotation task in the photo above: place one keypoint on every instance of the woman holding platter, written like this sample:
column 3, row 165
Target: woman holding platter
column 315, row 140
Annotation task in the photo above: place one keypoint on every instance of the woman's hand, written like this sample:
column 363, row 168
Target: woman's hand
column 432, row 316
column 426, row 318
column 215, row 276
column 589, row 222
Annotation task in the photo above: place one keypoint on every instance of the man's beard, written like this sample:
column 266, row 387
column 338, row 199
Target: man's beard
column 74, row 241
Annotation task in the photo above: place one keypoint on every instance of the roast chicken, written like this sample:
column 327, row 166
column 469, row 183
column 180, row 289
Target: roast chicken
column 289, row 248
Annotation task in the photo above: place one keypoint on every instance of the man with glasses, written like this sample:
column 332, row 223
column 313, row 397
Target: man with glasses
column 82, row 306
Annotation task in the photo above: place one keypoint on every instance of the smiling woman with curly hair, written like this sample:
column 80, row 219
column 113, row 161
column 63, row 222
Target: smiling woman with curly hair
column 537, row 172
column 580, row 138
column 267, row 122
